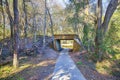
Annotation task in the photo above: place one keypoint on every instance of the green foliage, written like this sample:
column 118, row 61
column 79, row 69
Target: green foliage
column 79, row 63
column 112, row 40
column 73, row 20
column 86, row 32
column 78, row 6
column 20, row 78
column 88, row 37
column 7, row 32
column 1, row 32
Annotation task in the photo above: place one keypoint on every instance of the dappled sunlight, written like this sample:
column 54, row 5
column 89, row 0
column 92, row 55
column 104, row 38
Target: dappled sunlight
column 66, row 69
column 116, row 48
column 44, row 63
column 39, row 39
column 27, row 65
column 24, row 57
column 117, row 56
column 27, row 68
column 104, row 66
column 62, row 74
column 48, row 77
column 6, row 70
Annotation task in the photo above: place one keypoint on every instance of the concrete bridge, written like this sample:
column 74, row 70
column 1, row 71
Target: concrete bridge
column 74, row 37
column 65, row 68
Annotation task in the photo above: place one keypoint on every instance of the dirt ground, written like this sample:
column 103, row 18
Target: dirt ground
column 38, row 67
column 41, row 67
column 88, row 68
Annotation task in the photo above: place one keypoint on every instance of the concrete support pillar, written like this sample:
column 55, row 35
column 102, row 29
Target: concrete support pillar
column 57, row 45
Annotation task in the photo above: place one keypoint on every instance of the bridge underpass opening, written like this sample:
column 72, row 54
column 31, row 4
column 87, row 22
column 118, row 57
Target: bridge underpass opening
column 66, row 44
column 70, row 41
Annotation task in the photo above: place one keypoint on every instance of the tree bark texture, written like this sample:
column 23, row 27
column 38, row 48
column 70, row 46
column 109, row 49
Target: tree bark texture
column 16, row 33
column 51, row 21
column 44, row 29
column 102, row 27
column 3, row 14
column 26, row 21
column 10, row 18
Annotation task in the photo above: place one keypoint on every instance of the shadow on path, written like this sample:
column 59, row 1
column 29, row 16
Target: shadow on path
column 65, row 68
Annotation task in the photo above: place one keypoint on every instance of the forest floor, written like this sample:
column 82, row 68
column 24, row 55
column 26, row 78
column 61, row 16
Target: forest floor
column 40, row 66
column 89, row 68
column 37, row 67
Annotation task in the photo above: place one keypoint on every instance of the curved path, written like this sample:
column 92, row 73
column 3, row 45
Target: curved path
column 65, row 68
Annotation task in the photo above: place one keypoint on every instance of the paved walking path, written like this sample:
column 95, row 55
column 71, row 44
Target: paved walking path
column 65, row 68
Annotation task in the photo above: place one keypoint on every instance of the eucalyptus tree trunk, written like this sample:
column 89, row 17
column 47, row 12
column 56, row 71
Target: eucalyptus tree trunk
column 44, row 29
column 16, row 33
column 3, row 14
column 26, row 22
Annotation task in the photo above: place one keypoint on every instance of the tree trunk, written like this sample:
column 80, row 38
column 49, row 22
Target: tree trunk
column 35, row 33
column 44, row 29
column 16, row 35
column 10, row 18
column 98, row 29
column 3, row 14
column 110, row 10
column 11, row 25
column 102, row 27
column 34, row 23
column 26, row 22
column 51, row 22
